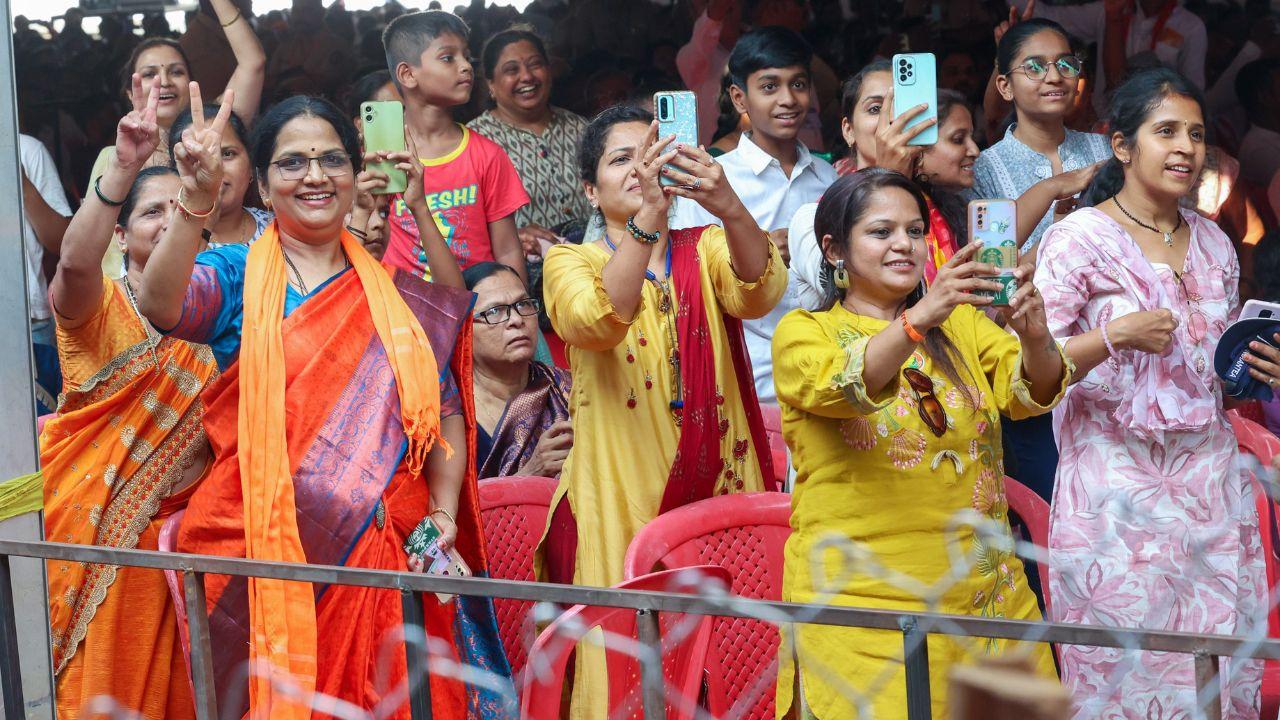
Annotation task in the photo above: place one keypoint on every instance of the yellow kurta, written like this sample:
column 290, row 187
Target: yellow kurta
column 871, row 473
column 624, row 435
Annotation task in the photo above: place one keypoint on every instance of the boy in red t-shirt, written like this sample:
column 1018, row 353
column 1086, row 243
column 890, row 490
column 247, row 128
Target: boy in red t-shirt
column 472, row 189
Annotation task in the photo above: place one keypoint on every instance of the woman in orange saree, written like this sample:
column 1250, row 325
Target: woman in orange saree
column 127, row 447
column 372, row 372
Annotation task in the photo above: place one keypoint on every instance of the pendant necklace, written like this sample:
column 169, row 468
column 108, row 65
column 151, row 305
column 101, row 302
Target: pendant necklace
column 1168, row 236
column 666, row 306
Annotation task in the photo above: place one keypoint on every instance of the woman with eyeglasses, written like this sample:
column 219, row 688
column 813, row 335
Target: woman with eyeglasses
column 339, row 425
column 891, row 404
column 1153, row 524
column 522, row 405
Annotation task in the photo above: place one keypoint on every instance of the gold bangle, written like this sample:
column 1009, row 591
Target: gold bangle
column 232, row 21
column 195, row 215
column 446, row 514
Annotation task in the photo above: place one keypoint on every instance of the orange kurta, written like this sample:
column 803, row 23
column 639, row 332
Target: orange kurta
column 128, row 428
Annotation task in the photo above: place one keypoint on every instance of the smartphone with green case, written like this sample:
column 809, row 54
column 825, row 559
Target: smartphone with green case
column 423, row 543
column 915, row 82
column 384, row 131
column 677, row 114
column 994, row 225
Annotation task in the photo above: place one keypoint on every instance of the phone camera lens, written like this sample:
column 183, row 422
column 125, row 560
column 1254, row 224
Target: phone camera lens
column 902, row 63
column 368, row 118
column 909, row 73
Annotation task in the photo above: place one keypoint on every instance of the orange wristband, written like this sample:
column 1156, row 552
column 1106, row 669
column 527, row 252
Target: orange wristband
column 913, row 334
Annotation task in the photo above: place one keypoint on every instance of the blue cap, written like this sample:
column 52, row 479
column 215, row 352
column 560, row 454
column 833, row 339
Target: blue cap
column 1228, row 358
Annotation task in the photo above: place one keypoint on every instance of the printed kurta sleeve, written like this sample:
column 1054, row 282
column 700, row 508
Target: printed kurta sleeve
column 821, row 374
column 580, row 309
column 1062, row 277
column 1000, row 356
column 744, row 300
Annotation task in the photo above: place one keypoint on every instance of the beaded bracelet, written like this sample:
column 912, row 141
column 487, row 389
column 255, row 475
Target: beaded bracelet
column 648, row 238
column 1106, row 340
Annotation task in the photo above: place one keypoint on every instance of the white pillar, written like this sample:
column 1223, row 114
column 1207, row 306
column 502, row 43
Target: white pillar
column 18, row 453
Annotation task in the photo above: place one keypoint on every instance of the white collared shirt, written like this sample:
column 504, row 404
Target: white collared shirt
column 772, row 198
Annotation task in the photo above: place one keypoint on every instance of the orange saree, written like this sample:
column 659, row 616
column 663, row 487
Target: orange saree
column 355, row 499
column 128, row 427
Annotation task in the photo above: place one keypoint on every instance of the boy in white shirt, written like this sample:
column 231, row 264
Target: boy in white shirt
column 771, row 170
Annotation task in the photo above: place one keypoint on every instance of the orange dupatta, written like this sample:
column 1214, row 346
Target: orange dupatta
column 282, row 641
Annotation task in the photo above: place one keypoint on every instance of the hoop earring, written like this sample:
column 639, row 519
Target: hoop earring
column 840, row 276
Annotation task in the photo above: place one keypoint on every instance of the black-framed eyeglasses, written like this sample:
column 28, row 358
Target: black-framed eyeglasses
column 499, row 314
column 296, row 167
column 1069, row 66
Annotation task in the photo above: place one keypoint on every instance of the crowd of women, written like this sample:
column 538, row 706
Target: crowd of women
column 266, row 373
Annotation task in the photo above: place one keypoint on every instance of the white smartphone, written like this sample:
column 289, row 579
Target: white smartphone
column 1260, row 309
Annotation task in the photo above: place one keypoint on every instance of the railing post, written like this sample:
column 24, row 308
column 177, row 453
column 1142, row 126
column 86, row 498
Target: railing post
column 651, row 682
column 206, row 698
column 418, row 658
column 10, row 663
column 915, row 649
column 1208, row 683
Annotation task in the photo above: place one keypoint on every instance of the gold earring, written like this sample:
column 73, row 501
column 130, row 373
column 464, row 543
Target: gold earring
column 840, row 276
column 267, row 203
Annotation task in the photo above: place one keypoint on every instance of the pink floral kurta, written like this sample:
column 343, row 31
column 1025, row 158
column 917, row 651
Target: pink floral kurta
column 1153, row 525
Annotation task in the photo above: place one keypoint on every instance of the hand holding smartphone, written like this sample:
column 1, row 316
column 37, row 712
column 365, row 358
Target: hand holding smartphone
column 677, row 114
column 994, row 225
column 384, row 132
column 424, row 542
column 915, row 82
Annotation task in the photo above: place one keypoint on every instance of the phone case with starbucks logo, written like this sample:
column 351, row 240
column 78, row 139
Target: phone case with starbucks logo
column 994, row 224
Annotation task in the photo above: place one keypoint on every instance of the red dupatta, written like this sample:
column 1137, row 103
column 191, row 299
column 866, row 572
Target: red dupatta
column 698, row 462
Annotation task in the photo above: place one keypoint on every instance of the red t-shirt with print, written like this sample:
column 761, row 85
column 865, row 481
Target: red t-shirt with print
column 466, row 190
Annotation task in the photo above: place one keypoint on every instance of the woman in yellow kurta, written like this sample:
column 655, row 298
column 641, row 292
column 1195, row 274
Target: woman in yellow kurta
column 891, row 402
column 127, row 447
column 664, row 411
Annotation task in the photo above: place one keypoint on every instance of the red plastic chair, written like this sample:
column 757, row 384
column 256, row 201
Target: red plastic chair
column 1034, row 513
column 1254, row 439
column 514, row 512
column 772, row 417
column 168, row 542
column 685, row 640
column 744, row 534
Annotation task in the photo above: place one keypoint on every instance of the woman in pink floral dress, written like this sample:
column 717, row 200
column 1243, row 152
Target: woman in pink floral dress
column 1153, row 526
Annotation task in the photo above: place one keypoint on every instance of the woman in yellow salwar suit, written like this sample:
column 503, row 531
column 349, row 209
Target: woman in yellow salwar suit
column 891, row 404
column 127, row 447
column 664, row 410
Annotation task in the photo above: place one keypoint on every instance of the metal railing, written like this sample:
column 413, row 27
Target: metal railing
column 915, row 627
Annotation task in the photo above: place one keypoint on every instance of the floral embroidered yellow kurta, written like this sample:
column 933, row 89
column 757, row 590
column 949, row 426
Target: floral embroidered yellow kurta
column 871, row 476
column 625, row 437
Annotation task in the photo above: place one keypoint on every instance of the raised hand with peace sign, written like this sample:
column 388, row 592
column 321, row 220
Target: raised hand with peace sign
column 137, row 134
column 198, row 156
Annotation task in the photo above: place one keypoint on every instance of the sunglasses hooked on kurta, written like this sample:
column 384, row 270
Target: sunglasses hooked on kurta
column 927, row 404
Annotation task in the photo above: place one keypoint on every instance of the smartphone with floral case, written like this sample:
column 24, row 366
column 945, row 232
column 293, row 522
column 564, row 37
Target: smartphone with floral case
column 994, row 225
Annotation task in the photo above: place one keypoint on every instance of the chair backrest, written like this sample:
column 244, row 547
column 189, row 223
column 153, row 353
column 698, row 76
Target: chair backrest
column 771, row 415
column 168, row 542
column 1254, row 438
column 1034, row 513
column 514, row 513
column 684, row 650
column 745, row 534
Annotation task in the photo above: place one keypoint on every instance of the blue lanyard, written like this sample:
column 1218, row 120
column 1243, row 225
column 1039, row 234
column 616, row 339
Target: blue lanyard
column 647, row 272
